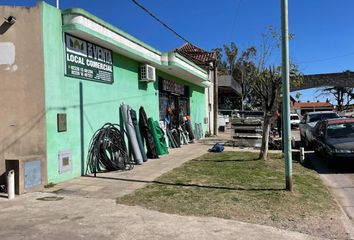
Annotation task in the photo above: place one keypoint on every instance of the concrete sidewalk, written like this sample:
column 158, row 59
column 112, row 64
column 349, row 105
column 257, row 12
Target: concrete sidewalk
column 111, row 185
column 85, row 208
column 87, row 218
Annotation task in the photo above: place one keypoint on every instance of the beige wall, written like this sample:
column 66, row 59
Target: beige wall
column 22, row 117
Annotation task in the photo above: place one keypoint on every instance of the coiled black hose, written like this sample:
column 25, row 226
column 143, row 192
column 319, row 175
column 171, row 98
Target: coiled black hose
column 108, row 151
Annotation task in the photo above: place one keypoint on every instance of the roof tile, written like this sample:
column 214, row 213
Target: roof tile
column 298, row 105
column 196, row 54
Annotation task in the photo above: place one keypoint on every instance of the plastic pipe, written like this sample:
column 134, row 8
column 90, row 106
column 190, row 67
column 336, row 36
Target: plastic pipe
column 11, row 184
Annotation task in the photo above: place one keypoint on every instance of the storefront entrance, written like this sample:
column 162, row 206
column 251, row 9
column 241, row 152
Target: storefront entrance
column 174, row 103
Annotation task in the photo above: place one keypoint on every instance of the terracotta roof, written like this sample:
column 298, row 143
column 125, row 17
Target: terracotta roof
column 302, row 105
column 195, row 54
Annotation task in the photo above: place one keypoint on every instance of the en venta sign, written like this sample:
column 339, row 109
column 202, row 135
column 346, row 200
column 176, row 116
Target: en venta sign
column 87, row 60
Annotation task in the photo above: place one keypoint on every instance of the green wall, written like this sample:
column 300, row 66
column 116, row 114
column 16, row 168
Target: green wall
column 101, row 101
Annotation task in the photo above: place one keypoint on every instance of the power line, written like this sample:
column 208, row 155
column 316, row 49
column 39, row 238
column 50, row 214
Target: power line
column 327, row 59
column 237, row 9
column 159, row 20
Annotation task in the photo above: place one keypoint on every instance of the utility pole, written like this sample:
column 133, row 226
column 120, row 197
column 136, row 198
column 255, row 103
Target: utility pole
column 242, row 90
column 58, row 4
column 216, row 97
column 286, row 94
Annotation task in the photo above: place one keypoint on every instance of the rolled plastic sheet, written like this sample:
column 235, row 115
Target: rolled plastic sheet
column 146, row 134
column 128, row 123
column 164, row 128
column 176, row 137
column 172, row 141
column 159, row 137
column 138, row 135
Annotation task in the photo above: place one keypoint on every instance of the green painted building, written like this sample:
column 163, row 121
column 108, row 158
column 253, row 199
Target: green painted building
column 89, row 68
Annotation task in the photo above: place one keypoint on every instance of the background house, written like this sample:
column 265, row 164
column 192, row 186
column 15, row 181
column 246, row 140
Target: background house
column 229, row 93
column 304, row 107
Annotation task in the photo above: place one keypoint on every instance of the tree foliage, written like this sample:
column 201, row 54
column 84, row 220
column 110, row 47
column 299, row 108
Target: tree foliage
column 267, row 81
column 267, row 88
column 258, row 71
column 343, row 95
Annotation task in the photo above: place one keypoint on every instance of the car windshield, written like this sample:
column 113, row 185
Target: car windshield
column 322, row 116
column 341, row 130
column 294, row 117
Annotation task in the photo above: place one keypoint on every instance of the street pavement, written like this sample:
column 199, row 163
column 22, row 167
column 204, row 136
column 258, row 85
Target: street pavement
column 85, row 208
column 339, row 179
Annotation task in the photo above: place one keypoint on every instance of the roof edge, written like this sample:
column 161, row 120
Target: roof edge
column 105, row 24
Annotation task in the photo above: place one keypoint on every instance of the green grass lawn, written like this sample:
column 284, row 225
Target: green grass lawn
column 235, row 185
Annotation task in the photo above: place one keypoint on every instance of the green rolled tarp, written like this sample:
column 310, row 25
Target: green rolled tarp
column 159, row 137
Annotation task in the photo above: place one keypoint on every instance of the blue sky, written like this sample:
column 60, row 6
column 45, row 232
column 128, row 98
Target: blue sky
column 324, row 32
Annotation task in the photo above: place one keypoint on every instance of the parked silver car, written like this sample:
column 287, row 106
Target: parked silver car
column 308, row 123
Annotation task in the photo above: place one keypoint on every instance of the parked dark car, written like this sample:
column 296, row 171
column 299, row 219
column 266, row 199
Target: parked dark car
column 334, row 139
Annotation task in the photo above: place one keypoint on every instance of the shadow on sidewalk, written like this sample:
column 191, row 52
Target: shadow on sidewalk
column 190, row 185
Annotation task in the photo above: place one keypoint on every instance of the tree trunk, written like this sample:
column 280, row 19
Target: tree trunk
column 265, row 137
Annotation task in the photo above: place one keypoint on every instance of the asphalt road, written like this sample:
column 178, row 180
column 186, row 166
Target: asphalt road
column 339, row 179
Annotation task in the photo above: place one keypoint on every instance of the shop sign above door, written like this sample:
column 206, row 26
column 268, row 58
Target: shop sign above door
column 87, row 60
column 172, row 87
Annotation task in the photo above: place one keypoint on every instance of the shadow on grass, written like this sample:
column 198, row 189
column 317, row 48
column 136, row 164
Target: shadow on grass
column 190, row 185
column 231, row 160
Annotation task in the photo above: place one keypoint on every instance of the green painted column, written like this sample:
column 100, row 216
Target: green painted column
column 286, row 95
